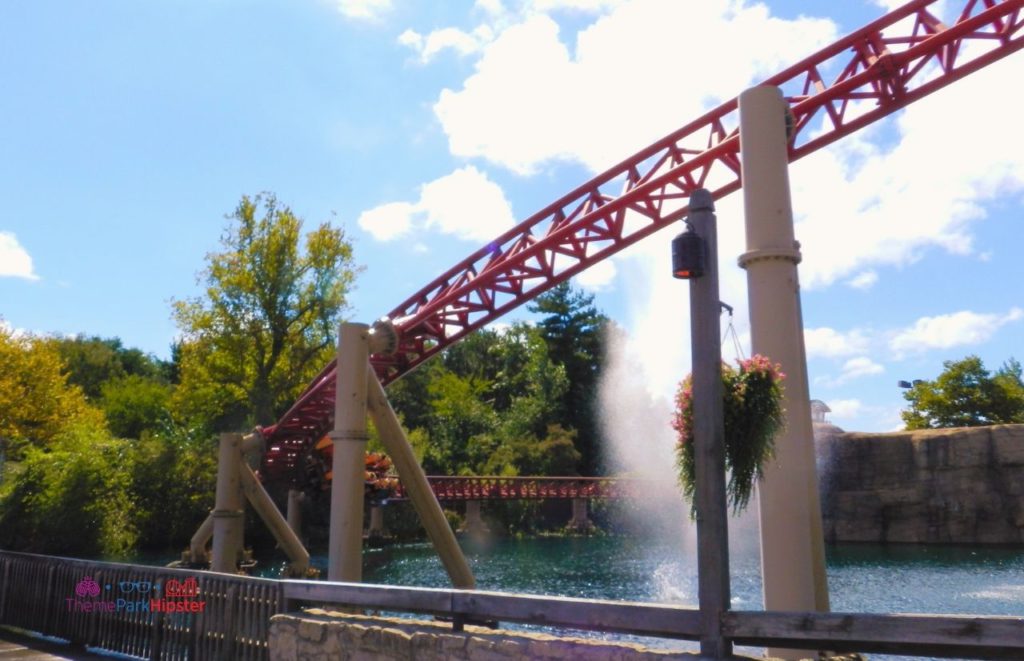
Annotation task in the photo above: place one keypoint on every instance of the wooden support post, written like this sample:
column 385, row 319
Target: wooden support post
column 295, row 499
column 265, row 507
column 376, row 529
column 416, row 485
column 709, row 435
column 345, row 546
column 792, row 543
column 580, row 521
column 473, row 522
column 197, row 546
column 227, row 513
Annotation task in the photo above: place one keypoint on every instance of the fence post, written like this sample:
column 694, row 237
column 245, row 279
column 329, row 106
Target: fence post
column 51, row 577
column 3, row 588
column 228, row 651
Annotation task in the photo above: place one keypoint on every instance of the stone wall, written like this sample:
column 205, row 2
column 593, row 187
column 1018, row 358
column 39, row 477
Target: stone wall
column 963, row 486
column 317, row 634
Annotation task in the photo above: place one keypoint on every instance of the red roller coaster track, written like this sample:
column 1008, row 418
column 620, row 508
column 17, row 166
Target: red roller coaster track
column 894, row 61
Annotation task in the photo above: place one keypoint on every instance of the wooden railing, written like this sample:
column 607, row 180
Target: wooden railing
column 951, row 636
column 236, row 615
column 231, row 618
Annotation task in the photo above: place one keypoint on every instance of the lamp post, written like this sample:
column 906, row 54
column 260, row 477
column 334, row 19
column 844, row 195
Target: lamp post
column 695, row 258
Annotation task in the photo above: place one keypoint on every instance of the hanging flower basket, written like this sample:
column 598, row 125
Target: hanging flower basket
column 752, row 408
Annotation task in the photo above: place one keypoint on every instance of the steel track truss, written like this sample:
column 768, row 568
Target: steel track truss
column 884, row 66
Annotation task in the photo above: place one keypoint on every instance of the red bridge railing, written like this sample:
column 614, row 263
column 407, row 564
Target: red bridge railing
column 529, row 488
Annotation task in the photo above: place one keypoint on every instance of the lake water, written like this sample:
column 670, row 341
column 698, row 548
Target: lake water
column 865, row 578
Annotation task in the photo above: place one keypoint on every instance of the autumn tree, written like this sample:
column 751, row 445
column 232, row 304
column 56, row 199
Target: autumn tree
column 36, row 401
column 967, row 395
column 267, row 320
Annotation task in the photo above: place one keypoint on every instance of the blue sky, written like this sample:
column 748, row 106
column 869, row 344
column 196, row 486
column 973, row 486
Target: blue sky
column 128, row 130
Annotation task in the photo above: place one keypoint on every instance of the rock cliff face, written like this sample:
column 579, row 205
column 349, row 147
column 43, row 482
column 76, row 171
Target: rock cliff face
column 930, row 486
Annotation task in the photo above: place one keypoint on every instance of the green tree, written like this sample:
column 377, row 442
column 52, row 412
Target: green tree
column 91, row 362
column 487, row 405
column 575, row 334
column 74, row 498
column 965, row 394
column 134, row 405
column 173, row 482
column 36, row 401
column 268, row 317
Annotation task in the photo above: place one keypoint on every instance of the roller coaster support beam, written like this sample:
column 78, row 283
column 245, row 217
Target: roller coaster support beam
column 345, row 546
column 228, row 503
column 415, row 484
column 792, row 546
column 265, row 507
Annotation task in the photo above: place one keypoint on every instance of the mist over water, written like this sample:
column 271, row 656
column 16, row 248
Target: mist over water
column 639, row 442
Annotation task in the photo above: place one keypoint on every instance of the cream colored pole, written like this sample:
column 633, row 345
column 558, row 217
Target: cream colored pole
column 197, row 546
column 345, row 545
column 265, row 507
column 227, row 513
column 792, row 545
column 295, row 511
column 416, row 485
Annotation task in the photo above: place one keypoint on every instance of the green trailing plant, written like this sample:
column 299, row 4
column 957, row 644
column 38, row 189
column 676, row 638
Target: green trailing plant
column 753, row 416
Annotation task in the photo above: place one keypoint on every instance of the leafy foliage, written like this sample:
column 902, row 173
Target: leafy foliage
column 173, row 481
column 965, row 394
column 488, row 406
column 753, row 416
column 73, row 498
column 267, row 321
column 36, row 401
column 91, row 362
column 135, row 404
column 574, row 331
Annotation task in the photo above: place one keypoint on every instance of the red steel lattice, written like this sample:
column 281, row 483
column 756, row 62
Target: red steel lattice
column 898, row 59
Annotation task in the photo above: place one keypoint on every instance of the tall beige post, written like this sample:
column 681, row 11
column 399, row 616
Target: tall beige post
column 792, row 545
column 345, row 545
column 228, row 502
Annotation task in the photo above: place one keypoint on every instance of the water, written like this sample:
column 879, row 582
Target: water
column 862, row 578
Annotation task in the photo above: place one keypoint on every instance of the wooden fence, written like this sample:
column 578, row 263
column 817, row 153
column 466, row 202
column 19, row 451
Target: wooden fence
column 35, row 593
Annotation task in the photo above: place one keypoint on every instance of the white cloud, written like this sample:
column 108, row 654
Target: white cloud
column 852, row 369
column 863, row 280
column 950, row 330
column 577, row 5
column 829, row 343
column 845, row 408
column 464, row 203
column 388, row 221
column 857, row 367
column 531, row 100
column 598, row 277
column 370, row 10
column 6, row 327
column 860, row 205
column 430, row 46
column 15, row 261
column 491, row 7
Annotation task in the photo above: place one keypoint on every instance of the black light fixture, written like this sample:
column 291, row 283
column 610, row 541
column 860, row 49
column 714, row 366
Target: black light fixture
column 688, row 255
